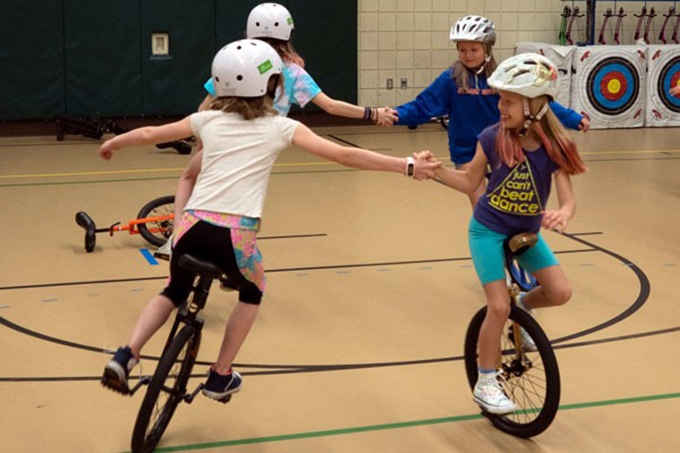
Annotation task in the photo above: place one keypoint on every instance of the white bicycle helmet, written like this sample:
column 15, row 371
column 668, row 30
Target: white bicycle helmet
column 528, row 74
column 531, row 75
column 474, row 28
column 270, row 20
column 243, row 68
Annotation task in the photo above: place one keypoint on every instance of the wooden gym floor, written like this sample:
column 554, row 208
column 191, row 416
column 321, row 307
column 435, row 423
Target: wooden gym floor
column 359, row 341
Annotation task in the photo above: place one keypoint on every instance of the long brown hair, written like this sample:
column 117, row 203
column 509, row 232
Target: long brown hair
column 561, row 149
column 285, row 50
column 250, row 108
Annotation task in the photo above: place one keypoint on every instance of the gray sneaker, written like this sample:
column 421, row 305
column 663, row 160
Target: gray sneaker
column 164, row 252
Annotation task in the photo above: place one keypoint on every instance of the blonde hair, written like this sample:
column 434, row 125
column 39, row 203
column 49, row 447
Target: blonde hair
column 250, row 108
column 461, row 73
column 561, row 149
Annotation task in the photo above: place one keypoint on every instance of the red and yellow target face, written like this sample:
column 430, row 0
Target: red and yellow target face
column 614, row 86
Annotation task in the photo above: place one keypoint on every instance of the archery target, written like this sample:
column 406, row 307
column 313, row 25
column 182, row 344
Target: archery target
column 663, row 73
column 609, row 85
column 561, row 56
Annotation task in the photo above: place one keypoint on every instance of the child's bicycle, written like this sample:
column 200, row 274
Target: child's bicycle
column 168, row 385
column 531, row 378
column 154, row 223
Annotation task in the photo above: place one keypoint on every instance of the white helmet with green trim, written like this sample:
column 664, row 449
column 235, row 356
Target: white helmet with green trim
column 243, row 68
column 270, row 20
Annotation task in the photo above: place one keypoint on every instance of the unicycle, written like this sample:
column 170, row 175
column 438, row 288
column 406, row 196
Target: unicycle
column 154, row 223
column 167, row 388
column 531, row 378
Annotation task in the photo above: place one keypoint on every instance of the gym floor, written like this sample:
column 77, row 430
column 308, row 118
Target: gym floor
column 358, row 346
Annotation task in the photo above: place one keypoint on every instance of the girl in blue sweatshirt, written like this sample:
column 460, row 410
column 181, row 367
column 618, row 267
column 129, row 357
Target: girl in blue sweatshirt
column 462, row 93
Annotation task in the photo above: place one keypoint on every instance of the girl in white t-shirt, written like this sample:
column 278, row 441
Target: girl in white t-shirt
column 273, row 24
column 242, row 136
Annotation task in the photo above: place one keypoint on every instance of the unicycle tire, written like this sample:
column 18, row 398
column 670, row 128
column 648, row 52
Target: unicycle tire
column 533, row 383
column 166, row 389
column 157, row 233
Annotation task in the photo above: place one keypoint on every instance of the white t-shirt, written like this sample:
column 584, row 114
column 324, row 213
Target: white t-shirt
column 238, row 156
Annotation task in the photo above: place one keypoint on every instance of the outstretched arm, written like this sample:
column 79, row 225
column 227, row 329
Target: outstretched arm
column 149, row 135
column 360, row 158
column 557, row 220
column 570, row 118
column 382, row 116
column 467, row 180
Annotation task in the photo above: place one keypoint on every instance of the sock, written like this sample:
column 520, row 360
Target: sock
column 486, row 374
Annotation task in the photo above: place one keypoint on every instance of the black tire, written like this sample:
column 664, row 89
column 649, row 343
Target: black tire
column 166, row 390
column 157, row 233
column 534, row 385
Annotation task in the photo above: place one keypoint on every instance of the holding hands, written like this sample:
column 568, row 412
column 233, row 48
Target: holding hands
column 425, row 165
column 386, row 116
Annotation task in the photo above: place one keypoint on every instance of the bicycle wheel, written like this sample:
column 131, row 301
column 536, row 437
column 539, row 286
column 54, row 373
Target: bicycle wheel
column 157, row 233
column 166, row 389
column 532, row 378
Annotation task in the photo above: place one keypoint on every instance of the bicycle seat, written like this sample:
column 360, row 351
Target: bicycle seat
column 203, row 268
column 522, row 242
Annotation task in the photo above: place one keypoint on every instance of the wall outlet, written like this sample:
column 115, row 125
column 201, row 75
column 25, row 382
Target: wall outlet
column 390, row 84
column 404, row 83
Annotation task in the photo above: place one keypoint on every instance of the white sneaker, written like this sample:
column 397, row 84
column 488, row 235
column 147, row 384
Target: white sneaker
column 527, row 341
column 164, row 252
column 489, row 395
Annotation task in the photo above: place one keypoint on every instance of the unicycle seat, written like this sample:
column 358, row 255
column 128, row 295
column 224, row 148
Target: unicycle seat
column 521, row 242
column 207, row 269
column 200, row 267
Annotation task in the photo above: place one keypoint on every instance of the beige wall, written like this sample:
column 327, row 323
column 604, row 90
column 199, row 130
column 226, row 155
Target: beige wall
column 410, row 38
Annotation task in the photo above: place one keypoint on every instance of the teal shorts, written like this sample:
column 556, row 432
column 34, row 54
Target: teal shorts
column 486, row 248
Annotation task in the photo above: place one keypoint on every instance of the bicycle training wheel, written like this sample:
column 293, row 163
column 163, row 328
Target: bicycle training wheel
column 159, row 231
column 166, row 389
column 532, row 378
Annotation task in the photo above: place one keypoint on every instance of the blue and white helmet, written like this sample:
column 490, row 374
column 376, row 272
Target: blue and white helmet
column 243, row 68
column 270, row 20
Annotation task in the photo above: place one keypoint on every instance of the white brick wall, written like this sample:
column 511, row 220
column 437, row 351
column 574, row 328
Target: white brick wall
column 410, row 38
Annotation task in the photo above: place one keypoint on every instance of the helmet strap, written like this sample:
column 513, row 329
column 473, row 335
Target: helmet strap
column 529, row 118
column 487, row 59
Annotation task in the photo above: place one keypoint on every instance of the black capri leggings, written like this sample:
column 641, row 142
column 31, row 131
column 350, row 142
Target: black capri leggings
column 213, row 244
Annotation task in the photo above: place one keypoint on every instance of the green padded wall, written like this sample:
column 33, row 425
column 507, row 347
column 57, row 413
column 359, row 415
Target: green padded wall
column 102, row 56
column 31, row 59
column 172, row 85
column 94, row 57
column 326, row 36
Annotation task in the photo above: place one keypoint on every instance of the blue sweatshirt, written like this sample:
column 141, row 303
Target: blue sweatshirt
column 469, row 113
